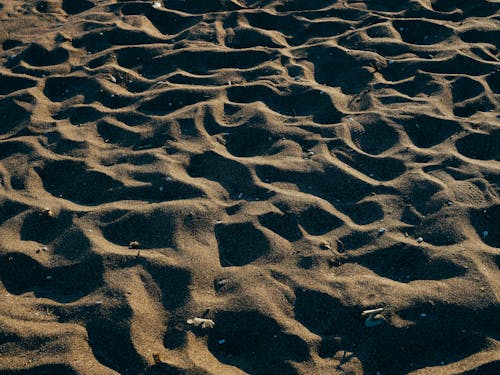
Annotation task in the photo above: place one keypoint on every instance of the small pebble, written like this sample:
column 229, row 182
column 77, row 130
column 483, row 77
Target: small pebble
column 134, row 245
column 420, row 240
column 156, row 5
column 47, row 212
column 325, row 245
column 381, row 231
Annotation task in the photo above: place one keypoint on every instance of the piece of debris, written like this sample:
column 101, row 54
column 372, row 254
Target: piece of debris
column 134, row 245
column 374, row 317
column 201, row 322
column 157, row 5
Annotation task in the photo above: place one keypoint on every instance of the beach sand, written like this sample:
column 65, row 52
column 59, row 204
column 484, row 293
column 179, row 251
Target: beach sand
column 275, row 167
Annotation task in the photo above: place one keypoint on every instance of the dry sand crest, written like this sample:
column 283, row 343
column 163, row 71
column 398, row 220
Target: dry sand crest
column 230, row 187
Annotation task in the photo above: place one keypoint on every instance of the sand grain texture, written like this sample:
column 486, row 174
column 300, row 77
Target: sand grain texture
column 236, row 161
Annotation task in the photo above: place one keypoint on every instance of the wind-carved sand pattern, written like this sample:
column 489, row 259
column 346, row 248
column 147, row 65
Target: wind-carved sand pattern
column 249, row 187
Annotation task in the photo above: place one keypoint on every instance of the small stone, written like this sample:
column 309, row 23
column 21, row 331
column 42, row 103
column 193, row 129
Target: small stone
column 157, row 359
column 47, row 212
column 156, row 5
column 381, row 231
column 325, row 245
column 134, row 245
column 201, row 322
column 420, row 240
column 45, row 248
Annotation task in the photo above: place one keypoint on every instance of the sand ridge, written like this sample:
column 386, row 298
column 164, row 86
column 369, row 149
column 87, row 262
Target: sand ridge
column 277, row 167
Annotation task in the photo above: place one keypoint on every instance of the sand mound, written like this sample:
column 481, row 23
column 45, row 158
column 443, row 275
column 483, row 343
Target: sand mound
column 269, row 168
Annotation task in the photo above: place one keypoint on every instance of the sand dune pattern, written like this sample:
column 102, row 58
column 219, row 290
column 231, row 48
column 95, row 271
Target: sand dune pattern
column 276, row 167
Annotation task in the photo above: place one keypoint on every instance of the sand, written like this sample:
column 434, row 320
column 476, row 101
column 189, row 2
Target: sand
column 267, row 170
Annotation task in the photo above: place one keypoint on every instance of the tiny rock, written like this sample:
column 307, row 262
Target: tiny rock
column 381, row 231
column 420, row 240
column 47, row 212
column 156, row 5
column 202, row 323
column 157, row 359
column 134, row 245
column 325, row 245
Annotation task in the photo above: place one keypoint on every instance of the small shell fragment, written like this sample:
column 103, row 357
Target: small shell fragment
column 201, row 322
column 374, row 317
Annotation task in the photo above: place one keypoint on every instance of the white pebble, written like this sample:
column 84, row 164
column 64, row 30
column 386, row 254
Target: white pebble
column 381, row 231
column 156, row 5
column 420, row 239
